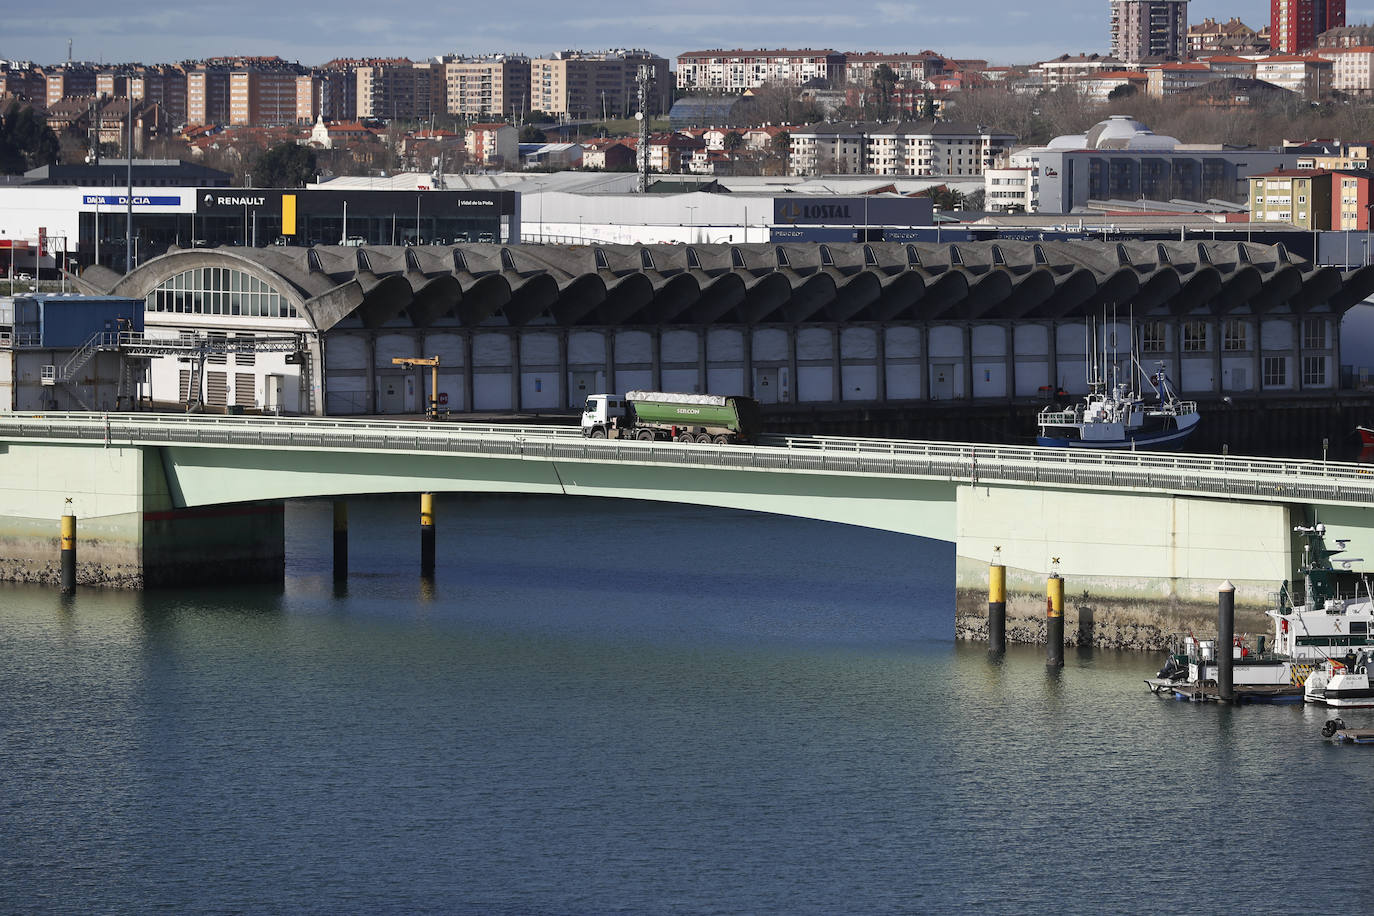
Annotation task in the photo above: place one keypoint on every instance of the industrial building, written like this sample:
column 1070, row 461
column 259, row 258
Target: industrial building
column 528, row 328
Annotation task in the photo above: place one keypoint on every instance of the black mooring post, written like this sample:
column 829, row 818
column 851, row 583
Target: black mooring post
column 1226, row 637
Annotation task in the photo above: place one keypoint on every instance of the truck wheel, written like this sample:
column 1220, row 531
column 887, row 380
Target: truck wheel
column 722, row 439
column 598, row 433
column 686, row 437
column 645, row 435
column 704, row 438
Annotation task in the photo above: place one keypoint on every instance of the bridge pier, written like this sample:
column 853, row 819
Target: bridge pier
column 133, row 533
column 1130, row 557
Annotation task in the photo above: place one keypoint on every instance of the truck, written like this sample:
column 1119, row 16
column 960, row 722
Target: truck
column 664, row 415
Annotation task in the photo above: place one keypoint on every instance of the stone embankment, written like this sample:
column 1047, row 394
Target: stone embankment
column 1102, row 623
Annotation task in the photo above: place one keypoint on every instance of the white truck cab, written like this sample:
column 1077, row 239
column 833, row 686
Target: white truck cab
column 600, row 413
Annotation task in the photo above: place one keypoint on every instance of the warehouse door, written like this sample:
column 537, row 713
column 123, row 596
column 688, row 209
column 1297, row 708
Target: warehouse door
column 391, row 397
column 766, row 385
column 942, row 385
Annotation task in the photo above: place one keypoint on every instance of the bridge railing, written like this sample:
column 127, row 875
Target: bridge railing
column 1259, row 478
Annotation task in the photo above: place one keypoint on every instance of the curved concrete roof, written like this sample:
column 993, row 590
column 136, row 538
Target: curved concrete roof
column 757, row 283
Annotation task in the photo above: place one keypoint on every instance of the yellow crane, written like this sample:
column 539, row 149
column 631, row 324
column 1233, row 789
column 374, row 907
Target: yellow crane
column 412, row 362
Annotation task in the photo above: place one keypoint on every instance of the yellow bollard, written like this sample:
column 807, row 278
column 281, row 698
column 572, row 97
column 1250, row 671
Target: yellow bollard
column 997, row 603
column 1054, row 618
column 68, row 566
column 427, row 534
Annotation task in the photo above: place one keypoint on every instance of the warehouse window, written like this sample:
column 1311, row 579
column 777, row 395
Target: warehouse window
column 1234, row 337
column 1194, row 336
column 1314, row 333
column 1275, row 370
column 219, row 291
column 1152, row 338
column 1314, row 370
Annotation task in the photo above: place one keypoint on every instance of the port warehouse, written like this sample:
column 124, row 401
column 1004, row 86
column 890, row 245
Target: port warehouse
column 539, row 327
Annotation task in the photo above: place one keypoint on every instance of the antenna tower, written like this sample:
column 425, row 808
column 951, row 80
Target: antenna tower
column 643, row 80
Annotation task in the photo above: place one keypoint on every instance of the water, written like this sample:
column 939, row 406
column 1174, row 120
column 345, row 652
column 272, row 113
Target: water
column 625, row 708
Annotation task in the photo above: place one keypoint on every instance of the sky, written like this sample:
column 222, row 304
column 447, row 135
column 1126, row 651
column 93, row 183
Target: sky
column 999, row 31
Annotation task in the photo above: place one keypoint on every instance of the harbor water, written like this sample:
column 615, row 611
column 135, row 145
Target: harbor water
column 604, row 707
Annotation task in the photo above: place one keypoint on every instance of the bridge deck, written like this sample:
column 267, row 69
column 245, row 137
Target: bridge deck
column 1262, row 479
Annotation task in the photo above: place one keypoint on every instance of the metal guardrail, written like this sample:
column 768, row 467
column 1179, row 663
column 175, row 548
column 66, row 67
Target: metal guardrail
column 1253, row 478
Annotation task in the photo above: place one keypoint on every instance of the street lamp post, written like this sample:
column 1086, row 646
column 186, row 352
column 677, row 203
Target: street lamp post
column 692, row 219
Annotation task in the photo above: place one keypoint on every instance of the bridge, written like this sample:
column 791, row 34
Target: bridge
column 168, row 498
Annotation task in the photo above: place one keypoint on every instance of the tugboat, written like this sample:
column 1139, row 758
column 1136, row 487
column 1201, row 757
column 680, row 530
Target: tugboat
column 1322, row 649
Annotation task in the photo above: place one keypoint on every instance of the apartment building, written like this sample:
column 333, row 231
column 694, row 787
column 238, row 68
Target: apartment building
column 493, row 145
column 1352, row 69
column 905, row 148
column 859, row 68
column 1295, row 24
column 264, row 96
column 739, row 70
column 1307, row 75
column 1149, row 29
column 1230, row 37
column 1351, row 200
column 112, row 84
column 1010, row 190
column 163, row 85
column 69, row 81
column 1298, row 196
column 399, row 88
column 22, row 79
column 1068, row 69
column 482, row 87
column 1100, row 86
column 1173, row 78
column 207, row 94
column 1346, row 36
column 599, row 84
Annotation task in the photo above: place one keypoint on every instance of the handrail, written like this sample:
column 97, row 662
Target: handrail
column 1256, row 478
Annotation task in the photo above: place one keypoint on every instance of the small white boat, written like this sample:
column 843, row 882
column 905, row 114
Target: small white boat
column 1342, row 683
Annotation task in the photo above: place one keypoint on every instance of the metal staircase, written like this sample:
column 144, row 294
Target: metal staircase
column 193, row 349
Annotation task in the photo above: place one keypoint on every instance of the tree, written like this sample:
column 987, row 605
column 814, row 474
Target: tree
column 1124, row 91
column 943, row 197
column 733, row 142
column 884, row 84
column 532, row 134
column 286, row 165
column 26, row 141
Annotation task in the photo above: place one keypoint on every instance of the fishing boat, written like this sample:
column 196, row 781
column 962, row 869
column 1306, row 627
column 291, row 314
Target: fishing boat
column 1121, row 417
column 1116, row 414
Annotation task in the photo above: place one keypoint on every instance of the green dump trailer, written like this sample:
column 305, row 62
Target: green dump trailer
column 651, row 415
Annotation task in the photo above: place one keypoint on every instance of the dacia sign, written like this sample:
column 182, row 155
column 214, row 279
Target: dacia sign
column 122, row 200
column 818, row 210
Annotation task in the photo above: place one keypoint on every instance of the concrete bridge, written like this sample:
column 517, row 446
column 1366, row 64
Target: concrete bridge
column 1142, row 538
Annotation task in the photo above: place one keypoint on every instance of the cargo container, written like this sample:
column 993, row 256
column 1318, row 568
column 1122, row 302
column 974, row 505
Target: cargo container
column 58, row 322
column 660, row 415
